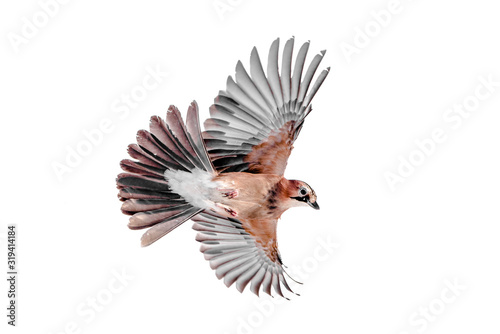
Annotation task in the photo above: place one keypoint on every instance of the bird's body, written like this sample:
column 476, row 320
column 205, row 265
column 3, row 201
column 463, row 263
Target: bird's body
column 229, row 179
column 256, row 196
column 236, row 194
column 250, row 196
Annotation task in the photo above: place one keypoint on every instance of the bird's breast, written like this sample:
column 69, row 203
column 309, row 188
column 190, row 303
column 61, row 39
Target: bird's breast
column 251, row 195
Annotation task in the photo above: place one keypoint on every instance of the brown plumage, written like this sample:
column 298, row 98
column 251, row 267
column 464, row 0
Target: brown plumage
column 228, row 179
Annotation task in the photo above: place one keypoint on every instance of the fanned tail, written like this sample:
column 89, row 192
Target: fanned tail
column 169, row 145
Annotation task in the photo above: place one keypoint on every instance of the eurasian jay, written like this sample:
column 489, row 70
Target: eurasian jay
column 229, row 179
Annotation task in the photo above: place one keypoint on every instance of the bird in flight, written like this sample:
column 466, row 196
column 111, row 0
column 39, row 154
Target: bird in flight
column 228, row 179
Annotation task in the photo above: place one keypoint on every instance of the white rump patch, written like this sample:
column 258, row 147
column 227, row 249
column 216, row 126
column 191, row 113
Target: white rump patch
column 196, row 187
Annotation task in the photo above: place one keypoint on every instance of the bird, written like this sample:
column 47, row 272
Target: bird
column 229, row 179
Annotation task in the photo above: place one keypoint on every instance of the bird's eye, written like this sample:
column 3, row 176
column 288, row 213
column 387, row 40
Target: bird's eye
column 303, row 191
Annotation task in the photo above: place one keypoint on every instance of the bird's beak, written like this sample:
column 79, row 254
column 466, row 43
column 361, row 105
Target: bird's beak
column 313, row 205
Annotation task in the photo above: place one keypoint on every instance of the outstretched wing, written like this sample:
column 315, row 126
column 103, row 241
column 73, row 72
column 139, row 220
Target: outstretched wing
column 242, row 252
column 255, row 121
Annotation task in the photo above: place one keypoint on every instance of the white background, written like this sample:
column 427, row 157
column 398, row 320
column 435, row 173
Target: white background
column 397, row 248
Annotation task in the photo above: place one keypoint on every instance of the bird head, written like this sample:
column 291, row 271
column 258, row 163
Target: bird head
column 302, row 194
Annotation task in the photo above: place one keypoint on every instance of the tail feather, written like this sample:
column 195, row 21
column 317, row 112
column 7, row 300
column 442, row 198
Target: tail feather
column 195, row 138
column 132, row 193
column 140, row 168
column 137, row 181
column 145, row 219
column 150, row 144
column 138, row 153
column 133, row 206
column 159, row 230
column 170, row 145
column 178, row 128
